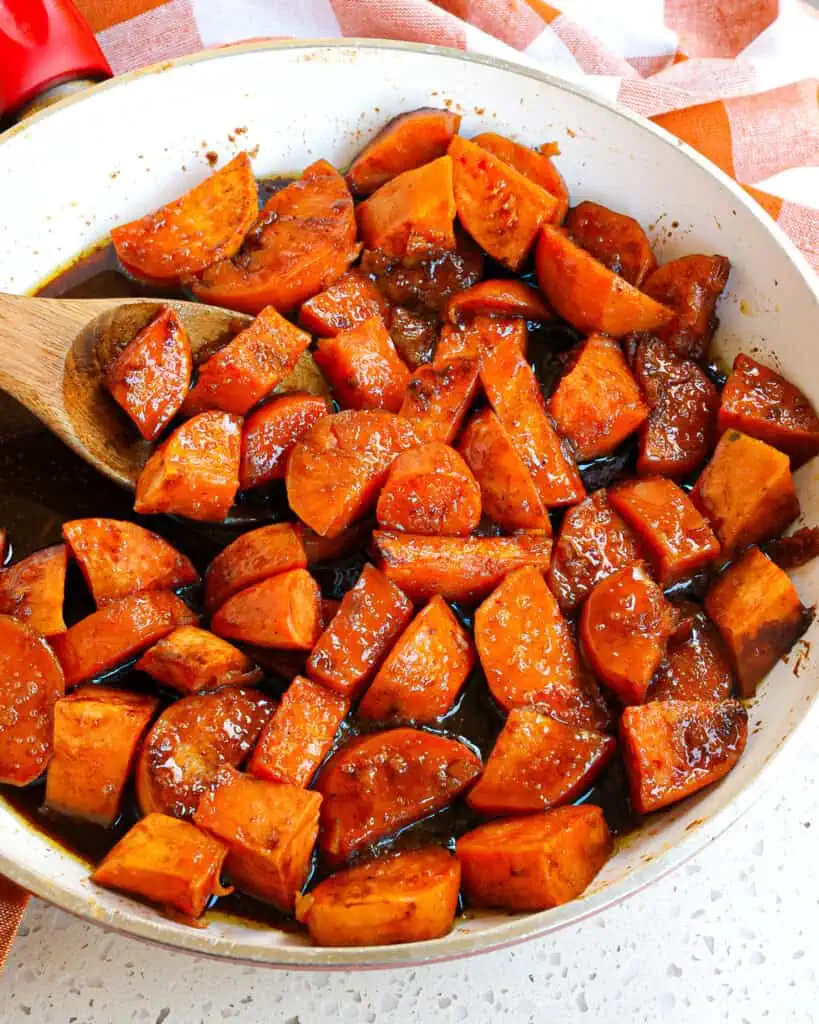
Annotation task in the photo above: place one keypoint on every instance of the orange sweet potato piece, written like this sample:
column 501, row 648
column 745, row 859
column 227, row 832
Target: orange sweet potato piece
column 363, row 367
column 690, row 286
column 672, row 748
column 271, row 431
column 151, row 376
column 528, row 653
column 270, row 829
column 534, row 862
column 206, row 224
column 117, row 631
column 32, row 682
column 761, row 403
column 338, row 467
column 351, row 300
column 191, row 741
column 438, row 396
column 424, row 672
column 617, row 241
column 368, row 796
column 192, row 659
column 404, row 143
column 746, row 492
column 505, row 297
column 499, row 207
column 372, row 615
column 671, row 530
column 537, row 763
column 303, row 240
column 588, row 294
column 472, row 338
column 597, row 404
column 33, row 589
column 404, row 897
column 195, row 473
column 533, row 164
column 458, row 568
column 624, row 626
column 97, row 731
column 165, row 861
column 759, row 615
column 118, row 558
column 251, row 558
column 696, row 667
column 282, row 611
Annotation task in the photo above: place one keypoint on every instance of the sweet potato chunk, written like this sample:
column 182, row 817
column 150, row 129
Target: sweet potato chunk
column 165, row 861
column 534, row 862
column 537, row 763
column 303, row 240
column 505, row 297
column 403, row 897
column 271, row 431
column 528, row 653
column 33, row 590
column 270, row 830
column 251, row 558
column 97, row 731
column 617, row 241
column 413, row 215
column 534, row 164
column 761, row 403
column 204, row 225
column 746, row 492
column 151, row 376
column 672, row 748
column 472, row 338
column 31, row 682
column 696, row 667
column 677, row 538
column 377, row 784
column 353, row 299
column 588, row 294
column 624, row 626
column 372, row 615
column 191, row 741
column 282, row 611
column 597, row 404
column 690, row 286
column 759, row 615
column 499, row 207
column 192, row 659
column 438, row 396
column 117, row 631
column 363, row 367
column 195, row 473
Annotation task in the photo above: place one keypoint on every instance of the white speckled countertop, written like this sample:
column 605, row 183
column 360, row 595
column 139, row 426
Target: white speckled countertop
column 731, row 936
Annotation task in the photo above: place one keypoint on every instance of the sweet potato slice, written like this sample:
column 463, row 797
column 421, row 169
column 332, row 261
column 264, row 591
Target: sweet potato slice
column 33, row 589
column 499, row 207
column 690, row 286
column 588, row 294
column 303, row 240
column 195, row 473
column 165, row 861
column 678, row 540
column 528, row 653
column 624, row 626
column 377, row 784
column 31, row 682
column 537, row 763
column 192, row 659
column 534, row 164
column 471, row 338
column 204, row 225
column 404, row 897
column 351, row 300
column 251, row 558
column 597, row 404
column 759, row 615
column 761, row 403
column 97, row 731
column 363, row 367
column 672, row 748
column 746, row 492
column 118, row 558
column 372, row 615
column 504, row 297
column 151, row 376
column 534, row 862
column 696, row 667
column 271, row 431
column 437, row 398
column 191, row 741
column 617, row 241
column 282, row 611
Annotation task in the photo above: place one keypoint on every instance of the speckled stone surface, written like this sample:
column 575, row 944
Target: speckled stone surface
column 731, row 936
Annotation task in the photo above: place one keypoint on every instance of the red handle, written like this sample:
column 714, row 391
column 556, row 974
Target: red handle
column 43, row 43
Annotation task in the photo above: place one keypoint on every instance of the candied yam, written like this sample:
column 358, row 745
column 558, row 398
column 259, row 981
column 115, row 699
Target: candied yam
column 377, row 784
column 672, row 748
column 195, row 473
column 534, row 862
column 282, row 611
column 505, row 297
column 33, row 589
column 251, row 558
column 534, row 164
column 696, row 667
column 97, row 731
column 414, row 334
column 31, row 682
column 589, row 295
column 165, row 861
column 690, row 286
column 363, row 367
column 410, row 896
column 746, row 492
column 372, row 615
column 471, row 338
column 271, row 431
column 616, row 241
column 206, row 224
column 351, row 300
column 438, row 397
column 192, row 659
